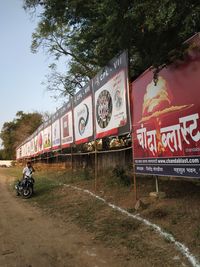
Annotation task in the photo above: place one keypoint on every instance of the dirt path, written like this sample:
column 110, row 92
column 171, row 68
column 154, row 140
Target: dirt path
column 29, row 238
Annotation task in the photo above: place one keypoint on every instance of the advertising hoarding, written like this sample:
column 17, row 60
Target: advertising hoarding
column 111, row 98
column 66, row 123
column 40, row 139
column 23, row 150
column 56, row 134
column 36, row 144
column 47, row 137
column 83, row 116
column 19, row 152
column 166, row 120
column 28, row 148
column 32, row 146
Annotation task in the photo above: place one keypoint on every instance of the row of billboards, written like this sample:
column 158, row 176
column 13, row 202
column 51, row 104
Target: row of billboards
column 99, row 109
column 165, row 116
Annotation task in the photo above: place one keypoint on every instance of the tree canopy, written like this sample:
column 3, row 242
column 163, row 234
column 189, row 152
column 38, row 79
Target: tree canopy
column 88, row 33
column 13, row 133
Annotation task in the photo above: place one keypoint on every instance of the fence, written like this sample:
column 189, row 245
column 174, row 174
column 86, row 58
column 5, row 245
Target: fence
column 104, row 159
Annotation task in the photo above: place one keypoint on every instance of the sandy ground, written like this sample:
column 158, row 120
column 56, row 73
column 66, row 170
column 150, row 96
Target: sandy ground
column 29, row 238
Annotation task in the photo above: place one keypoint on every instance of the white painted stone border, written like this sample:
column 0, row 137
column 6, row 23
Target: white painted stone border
column 179, row 246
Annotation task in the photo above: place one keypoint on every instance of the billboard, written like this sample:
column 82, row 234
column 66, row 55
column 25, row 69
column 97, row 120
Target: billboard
column 47, row 135
column 23, row 150
column 28, row 152
column 166, row 120
column 32, row 146
column 40, row 139
column 111, row 98
column 83, row 115
column 35, row 144
column 66, row 123
column 56, row 140
column 18, row 154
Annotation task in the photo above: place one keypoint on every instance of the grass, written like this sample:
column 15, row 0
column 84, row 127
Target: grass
column 88, row 213
column 116, row 228
column 44, row 192
column 84, row 213
column 43, row 187
column 13, row 171
column 108, row 227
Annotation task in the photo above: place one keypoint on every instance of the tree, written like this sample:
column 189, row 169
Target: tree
column 13, row 133
column 55, row 39
column 88, row 33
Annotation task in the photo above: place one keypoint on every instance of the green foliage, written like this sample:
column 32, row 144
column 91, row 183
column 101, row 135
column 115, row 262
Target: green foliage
column 2, row 154
column 13, row 133
column 120, row 173
column 88, row 33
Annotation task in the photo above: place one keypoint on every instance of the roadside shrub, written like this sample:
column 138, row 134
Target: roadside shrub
column 120, row 173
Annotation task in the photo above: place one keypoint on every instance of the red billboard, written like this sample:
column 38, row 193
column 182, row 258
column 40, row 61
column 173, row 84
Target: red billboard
column 166, row 120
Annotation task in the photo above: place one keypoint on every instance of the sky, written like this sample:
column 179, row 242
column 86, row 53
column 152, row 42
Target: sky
column 21, row 72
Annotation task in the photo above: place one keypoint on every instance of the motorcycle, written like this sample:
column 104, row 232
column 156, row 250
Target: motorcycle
column 24, row 187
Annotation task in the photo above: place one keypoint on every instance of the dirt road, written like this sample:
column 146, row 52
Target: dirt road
column 29, row 239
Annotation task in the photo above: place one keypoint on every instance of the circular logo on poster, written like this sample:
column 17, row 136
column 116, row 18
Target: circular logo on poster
column 104, row 109
column 84, row 117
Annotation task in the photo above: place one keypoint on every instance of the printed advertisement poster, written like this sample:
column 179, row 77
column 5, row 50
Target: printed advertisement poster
column 166, row 120
column 36, row 144
column 110, row 106
column 56, row 134
column 18, row 153
column 83, row 120
column 32, row 146
column 111, row 99
column 47, row 138
column 40, row 142
column 28, row 148
column 66, row 129
column 24, row 150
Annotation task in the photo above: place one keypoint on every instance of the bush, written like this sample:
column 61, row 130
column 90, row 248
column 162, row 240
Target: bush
column 122, row 176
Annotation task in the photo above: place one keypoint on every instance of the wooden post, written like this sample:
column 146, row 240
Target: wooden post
column 95, row 166
column 135, row 184
column 157, row 187
column 72, row 167
column 134, row 176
